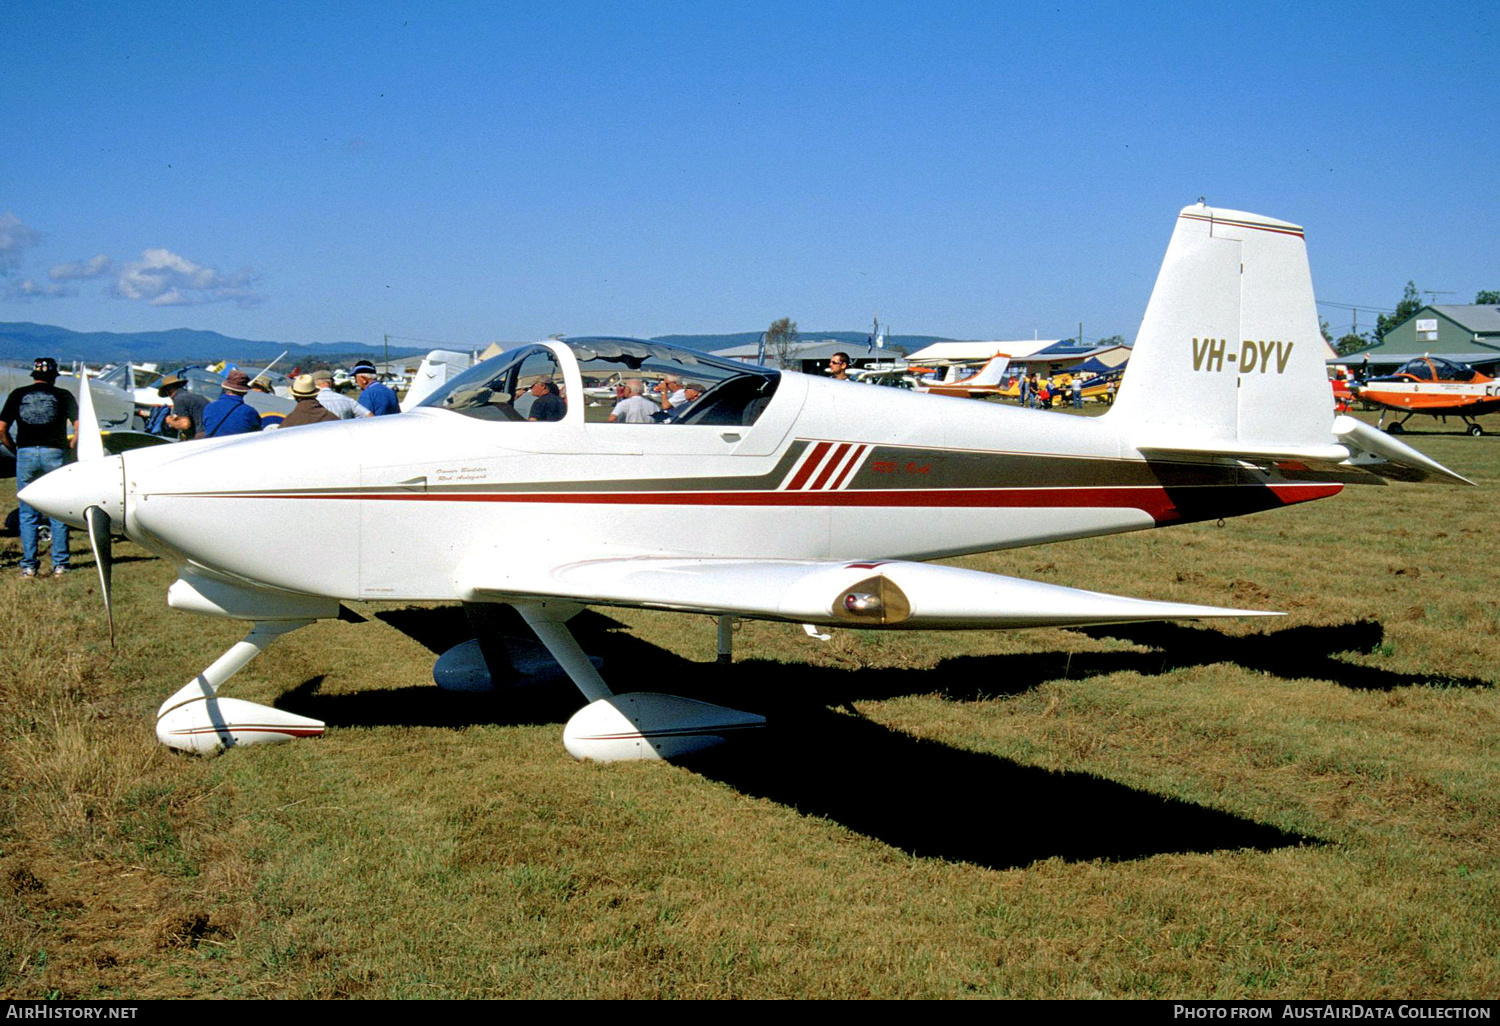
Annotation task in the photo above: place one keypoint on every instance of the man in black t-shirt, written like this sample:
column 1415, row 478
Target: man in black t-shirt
column 187, row 407
column 41, row 414
column 546, row 403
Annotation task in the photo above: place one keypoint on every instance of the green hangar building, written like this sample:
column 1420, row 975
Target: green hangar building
column 1468, row 334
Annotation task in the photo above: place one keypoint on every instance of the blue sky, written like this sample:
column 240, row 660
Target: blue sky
column 470, row 172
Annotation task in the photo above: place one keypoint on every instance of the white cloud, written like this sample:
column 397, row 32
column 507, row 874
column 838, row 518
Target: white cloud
column 26, row 290
column 162, row 278
column 83, row 269
column 15, row 238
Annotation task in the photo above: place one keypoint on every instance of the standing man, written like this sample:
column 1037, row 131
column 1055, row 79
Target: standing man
column 635, row 408
column 1077, row 392
column 41, row 413
column 308, row 410
column 691, row 391
column 546, row 404
column 229, row 414
column 187, row 407
column 838, row 366
column 374, row 396
column 334, row 401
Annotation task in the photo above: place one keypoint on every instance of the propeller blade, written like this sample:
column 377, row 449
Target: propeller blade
column 103, row 545
column 90, row 441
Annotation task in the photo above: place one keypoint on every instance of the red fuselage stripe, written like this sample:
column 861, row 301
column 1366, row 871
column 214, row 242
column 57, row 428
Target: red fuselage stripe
column 809, row 465
column 829, row 465
column 1154, row 500
column 852, row 462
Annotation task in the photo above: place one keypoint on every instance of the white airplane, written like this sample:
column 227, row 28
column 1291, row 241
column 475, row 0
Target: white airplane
column 775, row 496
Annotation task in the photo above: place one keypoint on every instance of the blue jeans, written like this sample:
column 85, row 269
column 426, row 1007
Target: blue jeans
column 31, row 463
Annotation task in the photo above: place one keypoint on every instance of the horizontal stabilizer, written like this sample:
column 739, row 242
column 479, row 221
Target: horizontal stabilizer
column 1322, row 453
column 895, row 594
column 1373, row 450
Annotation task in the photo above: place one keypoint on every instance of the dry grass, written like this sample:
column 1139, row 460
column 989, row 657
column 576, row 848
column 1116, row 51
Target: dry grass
column 1299, row 808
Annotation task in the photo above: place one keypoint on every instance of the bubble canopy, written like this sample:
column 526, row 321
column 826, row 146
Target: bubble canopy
column 504, row 387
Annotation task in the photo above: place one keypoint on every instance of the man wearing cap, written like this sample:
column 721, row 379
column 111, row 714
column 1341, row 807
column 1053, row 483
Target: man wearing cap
column 228, row 414
column 690, row 393
column 187, row 407
column 334, row 401
column 41, row 413
column 309, row 410
column 374, row 396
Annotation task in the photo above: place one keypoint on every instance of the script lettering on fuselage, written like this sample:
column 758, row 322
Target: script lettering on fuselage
column 1267, row 357
column 459, row 475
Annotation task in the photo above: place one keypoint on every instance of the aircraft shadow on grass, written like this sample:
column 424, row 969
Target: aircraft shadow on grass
column 924, row 797
column 1293, row 653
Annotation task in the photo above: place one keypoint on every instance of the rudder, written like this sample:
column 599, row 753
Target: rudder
column 1229, row 356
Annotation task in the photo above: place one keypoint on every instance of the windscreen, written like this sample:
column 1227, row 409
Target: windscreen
column 683, row 386
column 522, row 384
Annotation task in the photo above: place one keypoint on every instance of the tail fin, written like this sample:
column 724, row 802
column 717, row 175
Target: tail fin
column 990, row 373
column 438, row 368
column 1230, row 358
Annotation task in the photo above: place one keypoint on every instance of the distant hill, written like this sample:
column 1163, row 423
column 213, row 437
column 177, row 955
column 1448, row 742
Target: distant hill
column 713, row 343
column 22, row 341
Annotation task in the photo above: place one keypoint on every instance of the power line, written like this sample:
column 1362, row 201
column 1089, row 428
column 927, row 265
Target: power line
column 1353, row 306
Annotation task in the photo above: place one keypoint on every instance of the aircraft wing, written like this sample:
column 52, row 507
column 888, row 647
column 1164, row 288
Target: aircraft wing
column 837, row 593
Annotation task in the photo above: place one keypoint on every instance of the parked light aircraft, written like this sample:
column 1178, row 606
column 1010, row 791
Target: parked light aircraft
column 1436, row 387
column 984, row 382
column 776, row 495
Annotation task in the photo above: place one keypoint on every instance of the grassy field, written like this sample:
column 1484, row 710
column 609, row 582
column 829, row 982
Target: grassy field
column 1303, row 807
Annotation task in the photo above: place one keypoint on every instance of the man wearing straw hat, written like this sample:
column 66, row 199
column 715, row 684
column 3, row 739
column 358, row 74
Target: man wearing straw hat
column 309, row 410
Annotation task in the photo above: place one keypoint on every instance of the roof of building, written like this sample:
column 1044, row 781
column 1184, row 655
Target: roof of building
column 1483, row 319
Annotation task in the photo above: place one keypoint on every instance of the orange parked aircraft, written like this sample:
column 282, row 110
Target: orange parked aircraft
column 1436, row 387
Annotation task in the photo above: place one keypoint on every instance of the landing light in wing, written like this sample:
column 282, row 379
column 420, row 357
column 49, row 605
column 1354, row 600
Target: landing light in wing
column 875, row 600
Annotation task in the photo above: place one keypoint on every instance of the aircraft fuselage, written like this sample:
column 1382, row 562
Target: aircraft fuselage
column 935, row 477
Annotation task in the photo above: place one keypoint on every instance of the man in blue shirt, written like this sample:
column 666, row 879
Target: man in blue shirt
column 374, row 396
column 228, row 414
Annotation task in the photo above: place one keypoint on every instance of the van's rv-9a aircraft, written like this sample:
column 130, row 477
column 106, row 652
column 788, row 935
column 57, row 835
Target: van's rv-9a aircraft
column 775, row 496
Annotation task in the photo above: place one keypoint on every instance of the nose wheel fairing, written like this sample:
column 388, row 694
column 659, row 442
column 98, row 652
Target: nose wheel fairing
column 196, row 719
